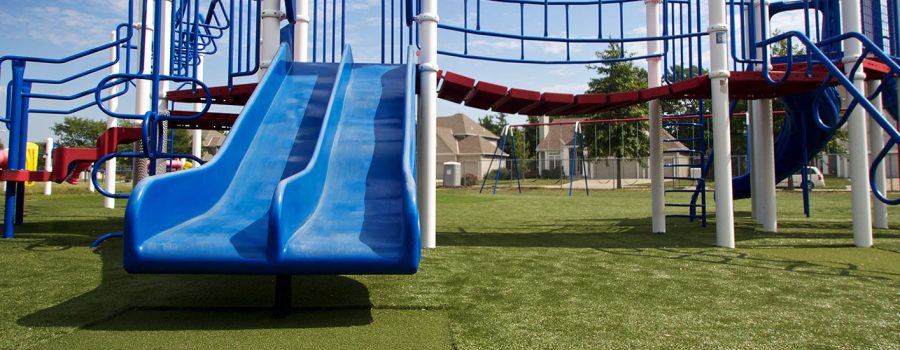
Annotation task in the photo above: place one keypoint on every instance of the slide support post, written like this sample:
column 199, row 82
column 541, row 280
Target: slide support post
column 426, row 142
column 857, row 130
column 718, row 43
column 654, row 79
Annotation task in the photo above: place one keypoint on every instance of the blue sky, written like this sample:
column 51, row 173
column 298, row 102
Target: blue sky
column 57, row 28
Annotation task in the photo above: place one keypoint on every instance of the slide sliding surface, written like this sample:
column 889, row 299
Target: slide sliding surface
column 315, row 178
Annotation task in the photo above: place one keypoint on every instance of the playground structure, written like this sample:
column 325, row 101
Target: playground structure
column 290, row 66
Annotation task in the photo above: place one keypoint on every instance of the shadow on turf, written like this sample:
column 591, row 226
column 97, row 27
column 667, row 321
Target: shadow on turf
column 210, row 302
column 631, row 237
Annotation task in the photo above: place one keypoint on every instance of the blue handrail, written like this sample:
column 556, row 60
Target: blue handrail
column 858, row 98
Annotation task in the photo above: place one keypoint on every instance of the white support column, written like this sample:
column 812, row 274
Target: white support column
column 764, row 143
column 165, row 58
column 857, row 130
column 271, row 34
column 87, row 178
column 197, row 135
column 654, row 79
column 764, row 171
column 48, row 165
column 426, row 137
column 751, row 160
column 143, row 86
column 112, row 104
column 718, row 43
column 876, row 142
column 301, row 31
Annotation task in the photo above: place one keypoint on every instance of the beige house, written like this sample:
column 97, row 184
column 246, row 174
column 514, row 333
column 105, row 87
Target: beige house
column 461, row 139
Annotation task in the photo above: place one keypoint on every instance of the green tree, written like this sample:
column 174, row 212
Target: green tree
column 629, row 140
column 78, row 132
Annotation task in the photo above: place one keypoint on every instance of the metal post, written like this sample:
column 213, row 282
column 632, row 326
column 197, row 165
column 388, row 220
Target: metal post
column 857, row 130
column 301, row 32
column 15, row 151
column 764, row 137
column 427, row 143
column 48, row 165
column 876, row 142
column 197, row 135
column 654, row 79
column 165, row 57
column 718, row 43
column 764, row 165
column 143, row 86
column 270, row 17
column 751, row 160
column 112, row 104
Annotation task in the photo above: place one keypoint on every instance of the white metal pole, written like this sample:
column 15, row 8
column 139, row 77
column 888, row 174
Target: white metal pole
column 111, row 122
column 718, row 43
column 301, row 31
column 143, row 86
column 48, row 165
column 271, row 36
column 764, row 141
column 764, row 154
column 197, row 135
column 427, row 144
column 87, row 178
column 654, row 79
column 857, row 130
column 751, row 160
column 876, row 142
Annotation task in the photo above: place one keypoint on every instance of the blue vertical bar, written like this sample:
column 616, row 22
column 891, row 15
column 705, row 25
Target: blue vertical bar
column 23, row 147
column 500, row 164
column 15, row 151
column 545, row 17
column 568, row 52
column 477, row 14
column 522, row 31
column 466, row 26
column 382, row 31
column 573, row 156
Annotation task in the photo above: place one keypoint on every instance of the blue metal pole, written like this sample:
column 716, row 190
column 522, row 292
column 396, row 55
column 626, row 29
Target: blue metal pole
column 23, row 147
column 15, row 151
column 574, row 155
column 500, row 163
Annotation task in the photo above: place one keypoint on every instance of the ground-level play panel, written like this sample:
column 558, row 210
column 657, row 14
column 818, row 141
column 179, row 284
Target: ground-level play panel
column 553, row 272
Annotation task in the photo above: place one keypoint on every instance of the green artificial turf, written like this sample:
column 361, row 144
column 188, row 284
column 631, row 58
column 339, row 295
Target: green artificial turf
column 536, row 270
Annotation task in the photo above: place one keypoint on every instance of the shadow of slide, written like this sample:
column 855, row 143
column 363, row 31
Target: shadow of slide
column 207, row 302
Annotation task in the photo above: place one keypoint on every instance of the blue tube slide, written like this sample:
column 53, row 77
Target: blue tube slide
column 798, row 108
column 314, row 178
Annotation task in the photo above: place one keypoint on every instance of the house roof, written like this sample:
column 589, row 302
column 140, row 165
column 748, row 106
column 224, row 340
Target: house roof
column 459, row 134
column 563, row 135
column 462, row 126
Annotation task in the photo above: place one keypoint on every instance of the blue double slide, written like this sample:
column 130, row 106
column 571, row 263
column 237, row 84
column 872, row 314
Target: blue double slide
column 316, row 177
